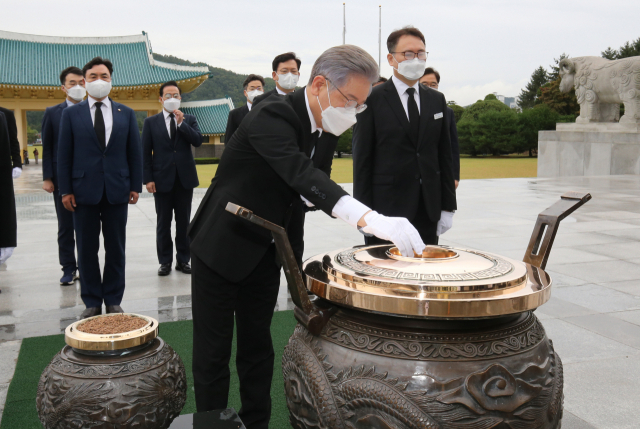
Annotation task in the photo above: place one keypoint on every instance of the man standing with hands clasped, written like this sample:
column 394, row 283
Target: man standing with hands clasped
column 73, row 85
column 402, row 163
column 170, row 174
column 100, row 174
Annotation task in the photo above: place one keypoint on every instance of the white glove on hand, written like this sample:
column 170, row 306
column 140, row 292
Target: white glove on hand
column 307, row 202
column 17, row 171
column 445, row 223
column 395, row 229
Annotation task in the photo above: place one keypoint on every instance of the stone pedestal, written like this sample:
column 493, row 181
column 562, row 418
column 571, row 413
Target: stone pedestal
column 592, row 149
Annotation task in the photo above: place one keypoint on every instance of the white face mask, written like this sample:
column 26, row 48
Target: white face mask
column 98, row 88
column 171, row 104
column 77, row 92
column 288, row 81
column 336, row 120
column 411, row 69
column 253, row 94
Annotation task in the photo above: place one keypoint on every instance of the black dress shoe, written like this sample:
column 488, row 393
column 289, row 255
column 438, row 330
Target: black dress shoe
column 164, row 269
column 91, row 311
column 184, row 267
column 114, row 309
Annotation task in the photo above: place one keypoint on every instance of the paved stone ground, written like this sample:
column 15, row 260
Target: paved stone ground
column 593, row 315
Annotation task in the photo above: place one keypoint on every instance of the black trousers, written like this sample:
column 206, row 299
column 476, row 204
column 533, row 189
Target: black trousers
column 177, row 200
column 88, row 220
column 421, row 222
column 66, row 235
column 215, row 301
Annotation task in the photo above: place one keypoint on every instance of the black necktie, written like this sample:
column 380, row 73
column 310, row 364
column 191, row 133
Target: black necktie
column 172, row 127
column 98, row 126
column 414, row 115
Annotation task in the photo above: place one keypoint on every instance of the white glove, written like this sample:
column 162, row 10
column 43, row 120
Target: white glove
column 395, row 229
column 5, row 253
column 307, row 202
column 17, row 171
column 445, row 223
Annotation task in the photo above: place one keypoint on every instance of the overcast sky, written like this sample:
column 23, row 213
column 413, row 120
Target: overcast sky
column 478, row 46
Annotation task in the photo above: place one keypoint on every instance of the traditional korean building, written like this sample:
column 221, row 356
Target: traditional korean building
column 30, row 67
column 212, row 120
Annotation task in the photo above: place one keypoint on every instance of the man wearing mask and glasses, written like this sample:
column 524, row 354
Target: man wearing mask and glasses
column 264, row 168
column 402, row 163
column 73, row 85
column 286, row 72
column 170, row 174
column 253, row 87
column 99, row 174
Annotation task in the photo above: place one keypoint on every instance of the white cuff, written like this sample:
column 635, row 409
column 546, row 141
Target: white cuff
column 349, row 210
column 307, row 202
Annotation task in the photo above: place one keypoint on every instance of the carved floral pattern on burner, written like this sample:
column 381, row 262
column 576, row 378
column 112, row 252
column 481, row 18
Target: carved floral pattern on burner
column 499, row 268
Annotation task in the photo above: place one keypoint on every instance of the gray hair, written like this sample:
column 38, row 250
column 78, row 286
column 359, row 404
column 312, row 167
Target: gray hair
column 339, row 63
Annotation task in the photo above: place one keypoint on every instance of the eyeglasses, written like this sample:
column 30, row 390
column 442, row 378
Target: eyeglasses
column 433, row 85
column 409, row 55
column 168, row 96
column 350, row 104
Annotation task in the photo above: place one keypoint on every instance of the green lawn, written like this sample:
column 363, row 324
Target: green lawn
column 481, row 167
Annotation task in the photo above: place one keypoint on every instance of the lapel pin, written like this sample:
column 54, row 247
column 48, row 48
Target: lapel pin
column 119, row 110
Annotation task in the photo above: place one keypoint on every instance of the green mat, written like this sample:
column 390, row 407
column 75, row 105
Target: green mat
column 36, row 353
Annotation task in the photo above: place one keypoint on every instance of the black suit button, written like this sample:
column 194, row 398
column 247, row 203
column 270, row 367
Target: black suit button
column 324, row 197
column 418, row 154
column 104, row 156
column 313, row 188
column 417, row 176
column 174, row 151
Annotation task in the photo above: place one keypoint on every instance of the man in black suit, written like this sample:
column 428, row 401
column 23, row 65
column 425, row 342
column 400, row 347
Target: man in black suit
column 73, row 85
column 431, row 79
column 253, row 87
column 286, row 72
column 265, row 169
column 12, row 129
column 170, row 174
column 99, row 175
column 401, row 145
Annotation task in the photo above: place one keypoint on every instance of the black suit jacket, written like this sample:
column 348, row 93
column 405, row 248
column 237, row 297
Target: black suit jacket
column 266, row 95
column 8, row 225
column 10, row 119
column 163, row 159
column 263, row 168
column 233, row 121
column 390, row 169
column 455, row 146
column 50, row 131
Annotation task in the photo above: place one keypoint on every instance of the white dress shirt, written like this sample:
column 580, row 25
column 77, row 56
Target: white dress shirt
column 167, row 121
column 402, row 87
column 249, row 104
column 281, row 92
column 107, row 114
column 69, row 103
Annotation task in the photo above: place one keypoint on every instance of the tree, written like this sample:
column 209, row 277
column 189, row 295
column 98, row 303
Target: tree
column 32, row 135
column 490, row 97
column 457, row 111
column 563, row 103
column 530, row 121
column 610, row 54
column 555, row 69
column 629, row 49
column 344, row 142
column 468, row 131
column 527, row 97
column 496, row 132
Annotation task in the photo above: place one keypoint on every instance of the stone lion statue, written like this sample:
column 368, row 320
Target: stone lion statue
column 601, row 85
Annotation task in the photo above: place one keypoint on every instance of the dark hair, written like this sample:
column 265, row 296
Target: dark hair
column 96, row 62
column 67, row 71
column 392, row 40
column 250, row 79
column 170, row 83
column 431, row 70
column 382, row 80
column 283, row 58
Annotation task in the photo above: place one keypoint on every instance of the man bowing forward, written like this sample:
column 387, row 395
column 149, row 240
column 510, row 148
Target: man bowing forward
column 99, row 174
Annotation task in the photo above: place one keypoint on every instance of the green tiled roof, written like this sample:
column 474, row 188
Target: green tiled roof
column 31, row 60
column 212, row 115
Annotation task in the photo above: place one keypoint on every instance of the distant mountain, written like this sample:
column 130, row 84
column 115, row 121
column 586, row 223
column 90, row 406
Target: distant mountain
column 223, row 83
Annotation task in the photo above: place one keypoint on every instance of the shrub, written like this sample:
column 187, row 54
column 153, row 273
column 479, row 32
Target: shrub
column 207, row 160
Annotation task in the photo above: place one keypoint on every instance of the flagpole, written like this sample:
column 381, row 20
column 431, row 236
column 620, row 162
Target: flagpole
column 380, row 40
column 344, row 23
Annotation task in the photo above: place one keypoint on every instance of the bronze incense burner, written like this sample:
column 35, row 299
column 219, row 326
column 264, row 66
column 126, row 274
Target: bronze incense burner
column 446, row 339
column 112, row 381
